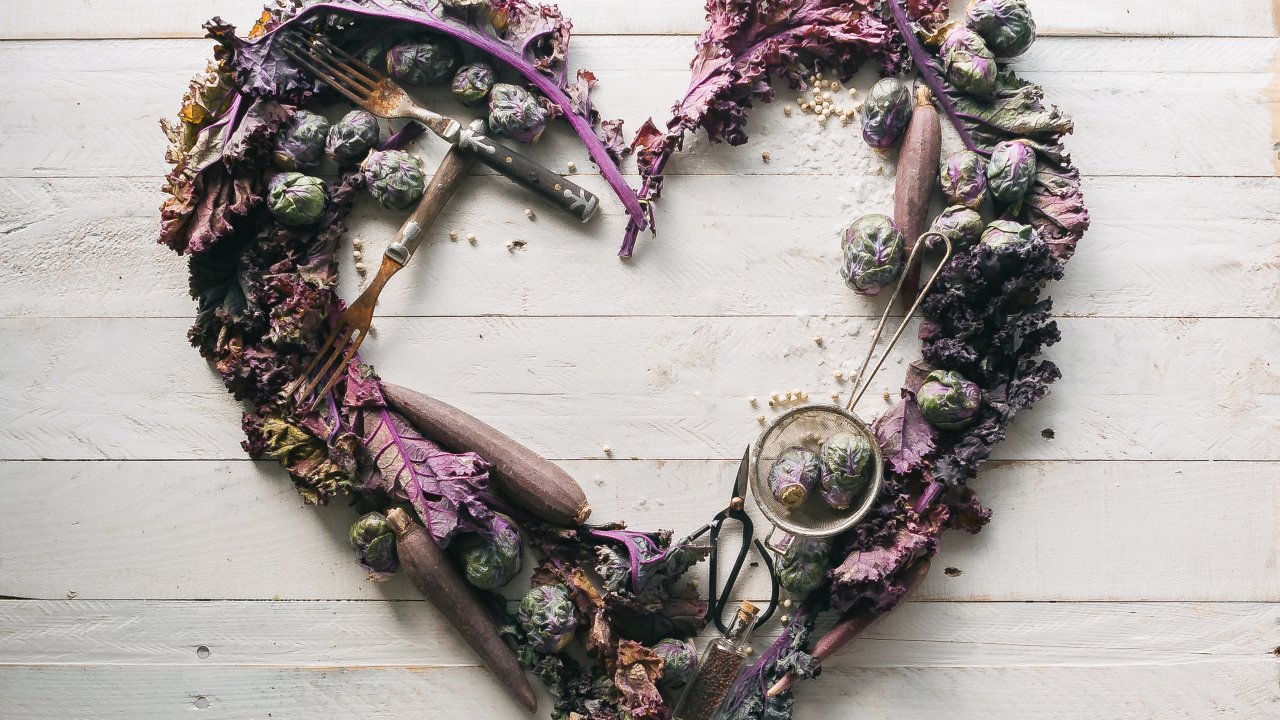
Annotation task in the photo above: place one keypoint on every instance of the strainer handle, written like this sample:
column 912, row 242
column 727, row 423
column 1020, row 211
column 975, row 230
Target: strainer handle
column 864, row 380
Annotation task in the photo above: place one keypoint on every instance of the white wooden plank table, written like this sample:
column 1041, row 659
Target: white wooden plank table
column 149, row 570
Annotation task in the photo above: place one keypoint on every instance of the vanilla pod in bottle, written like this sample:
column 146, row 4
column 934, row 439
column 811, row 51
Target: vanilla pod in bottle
column 719, row 667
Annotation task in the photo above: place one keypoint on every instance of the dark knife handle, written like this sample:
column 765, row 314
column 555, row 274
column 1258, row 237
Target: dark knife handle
column 555, row 189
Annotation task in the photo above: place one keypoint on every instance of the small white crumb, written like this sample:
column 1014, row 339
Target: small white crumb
column 528, row 212
column 573, row 167
column 471, row 238
column 453, row 235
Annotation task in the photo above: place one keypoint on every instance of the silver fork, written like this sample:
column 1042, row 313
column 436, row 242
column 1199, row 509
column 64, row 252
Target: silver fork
column 374, row 91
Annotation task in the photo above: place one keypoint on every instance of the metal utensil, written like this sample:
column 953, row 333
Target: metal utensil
column 353, row 325
column 372, row 90
column 811, row 425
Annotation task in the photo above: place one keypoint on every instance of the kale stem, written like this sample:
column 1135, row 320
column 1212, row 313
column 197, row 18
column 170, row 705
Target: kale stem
column 931, row 78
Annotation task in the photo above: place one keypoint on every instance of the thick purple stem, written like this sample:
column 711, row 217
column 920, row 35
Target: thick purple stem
column 923, row 61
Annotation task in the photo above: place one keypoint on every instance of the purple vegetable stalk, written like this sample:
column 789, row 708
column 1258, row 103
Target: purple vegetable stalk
column 924, row 64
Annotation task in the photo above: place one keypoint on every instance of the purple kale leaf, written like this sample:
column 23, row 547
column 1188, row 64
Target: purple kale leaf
column 906, row 438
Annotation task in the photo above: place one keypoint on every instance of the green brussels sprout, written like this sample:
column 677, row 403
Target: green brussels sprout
column 1006, row 233
column 963, row 226
column 375, row 544
column 679, row 662
column 1011, row 170
column 873, row 254
column 1005, row 25
column 424, row 61
column 964, row 179
column 352, row 137
column 296, row 199
column 803, row 565
column 395, row 178
column 947, row 400
column 793, row 475
column 846, row 461
column 516, row 113
column 473, row 82
column 968, row 63
column 548, row 618
column 886, row 112
column 491, row 559
column 300, row 146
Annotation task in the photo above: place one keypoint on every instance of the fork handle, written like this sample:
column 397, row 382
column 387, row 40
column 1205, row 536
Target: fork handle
column 564, row 194
column 449, row 175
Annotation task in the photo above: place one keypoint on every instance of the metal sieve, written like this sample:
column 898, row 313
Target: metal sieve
column 811, row 425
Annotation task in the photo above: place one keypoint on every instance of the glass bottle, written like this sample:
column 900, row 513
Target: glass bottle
column 718, row 668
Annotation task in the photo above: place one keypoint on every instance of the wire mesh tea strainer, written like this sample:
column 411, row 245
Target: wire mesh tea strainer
column 811, row 425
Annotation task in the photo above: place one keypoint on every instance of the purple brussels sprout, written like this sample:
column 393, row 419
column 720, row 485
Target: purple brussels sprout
column 1011, row 170
column 803, row 565
column 473, row 82
column 490, row 559
column 424, row 61
column 375, row 544
column 296, row 199
column 793, row 475
column 547, row 616
column 1007, row 233
column 947, row 400
column 300, row 146
column 516, row 113
column 873, row 250
column 961, row 225
column 964, row 179
column 968, row 63
column 886, row 112
column 1005, row 25
column 679, row 662
column 352, row 137
column 847, row 459
column 395, row 178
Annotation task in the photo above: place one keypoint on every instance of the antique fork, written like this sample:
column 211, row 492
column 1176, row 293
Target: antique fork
column 353, row 325
column 372, row 90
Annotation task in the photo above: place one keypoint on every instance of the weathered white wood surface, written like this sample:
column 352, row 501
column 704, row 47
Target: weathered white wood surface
column 1130, row 571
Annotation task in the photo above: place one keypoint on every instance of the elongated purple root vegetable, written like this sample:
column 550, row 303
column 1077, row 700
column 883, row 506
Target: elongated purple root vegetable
column 434, row 576
column 851, row 626
column 917, row 178
column 532, row 482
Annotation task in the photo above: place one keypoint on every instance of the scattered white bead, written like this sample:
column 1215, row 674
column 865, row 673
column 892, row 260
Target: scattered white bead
column 606, row 450
column 765, row 156
column 453, row 235
column 817, row 339
column 471, row 238
column 753, row 400
column 357, row 255
column 360, row 268
column 528, row 212
column 786, row 110
column 760, row 419
column 838, row 375
column 573, row 167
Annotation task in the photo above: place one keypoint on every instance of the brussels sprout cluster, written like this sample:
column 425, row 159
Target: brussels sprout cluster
column 793, row 474
column 296, row 199
column 472, row 83
column 1005, row 25
column 1011, row 170
column 873, row 251
column 968, row 62
column 1005, row 233
column 395, row 178
column 679, row 663
column 375, row 545
column 961, row 225
column 964, row 179
column 427, row 60
column 886, row 112
column 300, row 146
column 491, row 559
column 516, row 113
column 947, row 400
column 846, row 460
column 803, row 565
column 352, row 137
column 547, row 616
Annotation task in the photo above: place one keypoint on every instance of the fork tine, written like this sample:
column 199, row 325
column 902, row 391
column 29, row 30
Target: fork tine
column 338, row 371
column 332, row 351
column 319, row 54
column 350, row 88
column 351, row 60
column 315, row 360
column 341, row 57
